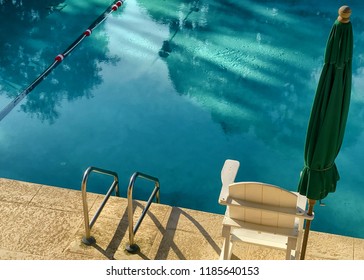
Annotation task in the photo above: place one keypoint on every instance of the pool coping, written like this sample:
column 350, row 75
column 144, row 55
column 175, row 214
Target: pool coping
column 40, row 222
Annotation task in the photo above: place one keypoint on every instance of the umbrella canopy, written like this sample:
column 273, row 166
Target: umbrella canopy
column 329, row 114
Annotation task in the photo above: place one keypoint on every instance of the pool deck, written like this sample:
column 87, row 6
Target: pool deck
column 39, row 222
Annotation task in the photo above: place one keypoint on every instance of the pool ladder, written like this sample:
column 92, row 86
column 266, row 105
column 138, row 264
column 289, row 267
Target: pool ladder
column 132, row 247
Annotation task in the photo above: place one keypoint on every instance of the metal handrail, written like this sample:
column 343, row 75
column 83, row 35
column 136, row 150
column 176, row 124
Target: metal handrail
column 88, row 239
column 132, row 247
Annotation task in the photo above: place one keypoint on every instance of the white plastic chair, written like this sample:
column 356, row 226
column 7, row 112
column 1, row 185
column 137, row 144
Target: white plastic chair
column 261, row 214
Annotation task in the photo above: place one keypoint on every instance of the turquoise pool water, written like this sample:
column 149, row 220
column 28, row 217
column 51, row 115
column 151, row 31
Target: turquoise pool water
column 172, row 89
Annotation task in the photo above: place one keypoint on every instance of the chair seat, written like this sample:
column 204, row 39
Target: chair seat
column 259, row 238
column 274, row 231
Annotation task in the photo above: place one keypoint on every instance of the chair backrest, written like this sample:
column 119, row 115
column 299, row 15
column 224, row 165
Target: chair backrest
column 262, row 204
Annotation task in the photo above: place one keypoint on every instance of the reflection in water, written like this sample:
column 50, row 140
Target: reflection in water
column 23, row 62
column 238, row 82
column 253, row 65
column 251, row 73
column 167, row 48
column 222, row 64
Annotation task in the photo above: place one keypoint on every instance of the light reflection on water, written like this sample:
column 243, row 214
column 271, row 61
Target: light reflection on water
column 235, row 79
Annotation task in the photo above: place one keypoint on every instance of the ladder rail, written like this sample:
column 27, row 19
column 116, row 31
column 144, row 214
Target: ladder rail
column 132, row 247
column 88, row 239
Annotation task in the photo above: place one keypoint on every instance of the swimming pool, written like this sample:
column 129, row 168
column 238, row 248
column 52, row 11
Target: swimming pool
column 172, row 89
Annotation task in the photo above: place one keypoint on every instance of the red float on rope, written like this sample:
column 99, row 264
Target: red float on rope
column 88, row 32
column 59, row 57
column 117, row 5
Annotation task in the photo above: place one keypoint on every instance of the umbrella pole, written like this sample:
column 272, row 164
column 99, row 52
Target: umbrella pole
column 311, row 204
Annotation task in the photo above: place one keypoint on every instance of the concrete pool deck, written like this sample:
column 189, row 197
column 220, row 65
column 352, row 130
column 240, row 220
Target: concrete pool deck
column 41, row 222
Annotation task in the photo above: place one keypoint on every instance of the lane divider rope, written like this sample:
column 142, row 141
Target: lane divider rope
column 59, row 58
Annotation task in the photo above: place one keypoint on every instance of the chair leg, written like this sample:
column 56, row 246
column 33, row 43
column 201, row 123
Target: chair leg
column 297, row 253
column 291, row 245
column 227, row 248
column 298, row 246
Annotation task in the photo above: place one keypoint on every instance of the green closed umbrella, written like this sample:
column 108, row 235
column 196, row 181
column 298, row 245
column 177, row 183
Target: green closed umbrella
column 328, row 117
